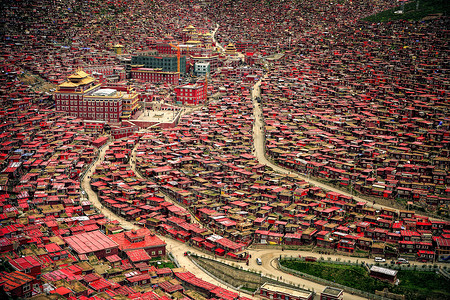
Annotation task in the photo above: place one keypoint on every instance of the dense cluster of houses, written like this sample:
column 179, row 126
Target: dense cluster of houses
column 99, row 272
column 53, row 40
column 53, row 241
column 373, row 125
column 270, row 27
column 136, row 199
column 60, row 39
column 43, row 154
column 358, row 104
column 204, row 164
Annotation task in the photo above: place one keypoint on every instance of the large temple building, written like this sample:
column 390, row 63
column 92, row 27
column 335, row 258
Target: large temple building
column 230, row 49
column 82, row 96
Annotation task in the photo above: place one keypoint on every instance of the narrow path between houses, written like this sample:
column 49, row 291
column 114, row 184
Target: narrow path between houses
column 213, row 35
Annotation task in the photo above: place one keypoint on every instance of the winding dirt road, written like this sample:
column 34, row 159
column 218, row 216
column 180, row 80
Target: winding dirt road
column 175, row 247
column 267, row 255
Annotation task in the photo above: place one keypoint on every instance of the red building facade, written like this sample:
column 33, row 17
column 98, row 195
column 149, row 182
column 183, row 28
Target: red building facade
column 123, row 131
column 165, row 48
column 155, row 75
column 18, row 284
column 191, row 94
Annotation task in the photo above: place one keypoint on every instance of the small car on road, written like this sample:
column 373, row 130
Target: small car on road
column 401, row 261
column 310, row 258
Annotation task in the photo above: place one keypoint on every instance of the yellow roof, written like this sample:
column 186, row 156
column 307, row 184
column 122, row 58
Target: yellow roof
column 118, row 46
column 193, row 42
column 84, row 81
column 79, row 75
column 78, row 78
column 68, row 84
column 230, row 48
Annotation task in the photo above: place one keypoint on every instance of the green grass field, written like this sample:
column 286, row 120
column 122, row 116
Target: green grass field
column 413, row 284
column 426, row 7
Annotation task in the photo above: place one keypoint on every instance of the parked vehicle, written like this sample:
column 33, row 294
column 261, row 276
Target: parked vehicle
column 310, row 258
column 402, row 261
column 379, row 259
column 258, row 261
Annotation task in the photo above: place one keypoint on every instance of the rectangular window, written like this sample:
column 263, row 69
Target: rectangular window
column 26, row 287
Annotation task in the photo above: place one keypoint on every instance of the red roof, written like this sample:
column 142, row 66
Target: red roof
column 169, row 287
column 198, row 239
column 100, row 140
column 138, row 255
column 190, row 278
column 150, row 241
column 125, row 290
column 230, row 244
column 53, row 247
column 23, row 263
column 91, row 277
column 409, row 233
column 140, row 277
column 62, row 291
column 89, row 242
column 293, row 235
column 60, row 274
column 113, row 258
column 100, row 284
column 425, row 252
column 164, row 271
